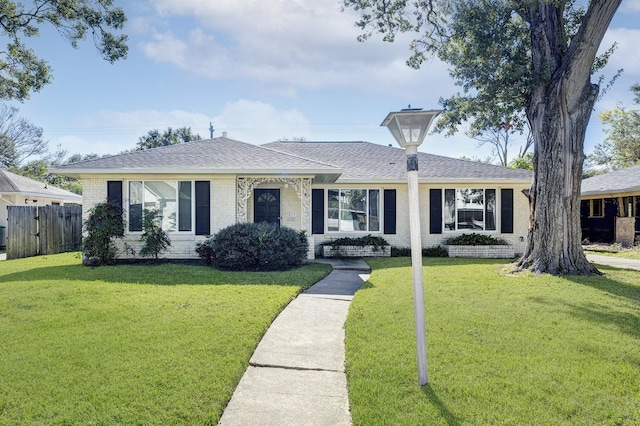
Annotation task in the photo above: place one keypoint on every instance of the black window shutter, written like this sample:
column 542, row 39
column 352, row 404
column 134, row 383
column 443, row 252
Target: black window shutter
column 114, row 192
column 203, row 207
column 389, row 211
column 317, row 211
column 435, row 211
column 506, row 213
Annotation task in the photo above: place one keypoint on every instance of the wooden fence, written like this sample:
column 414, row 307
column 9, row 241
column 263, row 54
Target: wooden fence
column 32, row 231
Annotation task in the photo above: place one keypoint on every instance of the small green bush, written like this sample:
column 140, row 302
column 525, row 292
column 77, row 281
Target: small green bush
column 205, row 251
column 254, row 247
column 156, row 240
column 475, row 240
column 368, row 240
column 435, row 251
column 103, row 226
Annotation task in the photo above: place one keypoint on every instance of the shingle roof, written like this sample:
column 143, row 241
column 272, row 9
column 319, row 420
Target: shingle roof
column 11, row 183
column 369, row 161
column 624, row 180
column 218, row 155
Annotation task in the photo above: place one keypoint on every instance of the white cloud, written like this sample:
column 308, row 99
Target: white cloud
column 285, row 46
column 630, row 6
column 258, row 122
column 627, row 54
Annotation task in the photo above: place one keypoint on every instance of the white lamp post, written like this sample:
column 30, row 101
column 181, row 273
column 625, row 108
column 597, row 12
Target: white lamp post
column 409, row 127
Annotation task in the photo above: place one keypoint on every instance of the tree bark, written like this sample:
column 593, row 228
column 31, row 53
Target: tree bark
column 562, row 99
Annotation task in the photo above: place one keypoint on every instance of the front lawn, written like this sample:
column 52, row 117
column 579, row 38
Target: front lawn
column 130, row 344
column 502, row 349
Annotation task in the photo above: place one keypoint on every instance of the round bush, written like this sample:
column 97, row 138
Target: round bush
column 254, row 247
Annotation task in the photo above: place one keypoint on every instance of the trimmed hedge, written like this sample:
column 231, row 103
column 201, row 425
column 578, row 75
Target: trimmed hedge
column 367, row 240
column 475, row 240
column 435, row 251
column 254, row 247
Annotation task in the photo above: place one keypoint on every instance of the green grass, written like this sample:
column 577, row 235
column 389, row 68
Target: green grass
column 502, row 349
column 130, row 344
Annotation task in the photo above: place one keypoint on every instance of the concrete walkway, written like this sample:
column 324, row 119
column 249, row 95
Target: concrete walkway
column 616, row 262
column 296, row 375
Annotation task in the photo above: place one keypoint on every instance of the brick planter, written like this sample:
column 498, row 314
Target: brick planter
column 356, row 251
column 485, row 252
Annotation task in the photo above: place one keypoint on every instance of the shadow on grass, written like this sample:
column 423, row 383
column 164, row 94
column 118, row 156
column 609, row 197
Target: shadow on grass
column 606, row 284
column 170, row 274
column 433, row 398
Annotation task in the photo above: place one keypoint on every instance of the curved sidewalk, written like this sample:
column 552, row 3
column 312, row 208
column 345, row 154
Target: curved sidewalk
column 296, row 375
column 616, row 262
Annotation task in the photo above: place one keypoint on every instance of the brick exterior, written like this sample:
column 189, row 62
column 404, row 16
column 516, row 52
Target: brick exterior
column 356, row 251
column 224, row 212
column 484, row 252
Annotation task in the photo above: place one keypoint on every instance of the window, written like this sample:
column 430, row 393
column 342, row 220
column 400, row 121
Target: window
column 353, row 210
column 597, row 208
column 466, row 208
column 627, row 208
column 171, row 198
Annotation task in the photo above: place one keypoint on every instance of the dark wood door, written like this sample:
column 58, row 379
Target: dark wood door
column 267, row 206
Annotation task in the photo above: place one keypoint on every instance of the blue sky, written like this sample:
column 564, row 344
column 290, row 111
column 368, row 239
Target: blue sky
column 260, row 71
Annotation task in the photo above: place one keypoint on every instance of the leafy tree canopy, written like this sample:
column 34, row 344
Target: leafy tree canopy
column 155, row 139
column 621, row 147
column 21, row 70
column 488, row 45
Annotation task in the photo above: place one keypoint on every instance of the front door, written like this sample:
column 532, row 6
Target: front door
column 267, row 206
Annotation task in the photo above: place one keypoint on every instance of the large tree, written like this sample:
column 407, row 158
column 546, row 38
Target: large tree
column 21, row 70
column 538, row 55
column 621, row 147
column 155, row 139
column 19, row 139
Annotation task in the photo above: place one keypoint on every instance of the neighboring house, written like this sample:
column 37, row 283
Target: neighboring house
column 610, row 205
column 328, row 189
column 16, row 190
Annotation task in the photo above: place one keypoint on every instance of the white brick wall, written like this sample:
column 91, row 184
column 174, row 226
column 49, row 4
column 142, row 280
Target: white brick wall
column 403, row 239
column 224, row 205
column 485, row 252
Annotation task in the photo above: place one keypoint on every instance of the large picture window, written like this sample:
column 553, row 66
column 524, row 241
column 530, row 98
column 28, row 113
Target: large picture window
column 353, row 210
column 470, row 208
column 172, row 199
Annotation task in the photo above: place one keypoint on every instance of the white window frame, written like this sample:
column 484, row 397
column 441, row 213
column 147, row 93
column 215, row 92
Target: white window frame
column 368, row 211
column 177, row 198
column 483, row 230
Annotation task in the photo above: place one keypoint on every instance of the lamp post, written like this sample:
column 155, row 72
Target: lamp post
column 409, row 127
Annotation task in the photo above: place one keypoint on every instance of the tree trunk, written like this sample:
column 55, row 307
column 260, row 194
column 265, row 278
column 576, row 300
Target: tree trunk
column 555, row 235
column 562, row 99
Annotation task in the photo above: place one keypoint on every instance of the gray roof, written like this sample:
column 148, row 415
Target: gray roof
column 218, row 155
column 11, row 183
column 327, row 161
column 618, row 181
column 366, row 161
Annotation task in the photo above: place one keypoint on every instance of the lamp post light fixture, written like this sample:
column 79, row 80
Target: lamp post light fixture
column 409, row 127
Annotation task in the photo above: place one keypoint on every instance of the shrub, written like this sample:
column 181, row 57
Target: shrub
column 369, row 240
column 475, row 240
column 205, row 251
column 156, row 240
column 103, row 226
column 254, row 247
column 435, row 251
